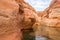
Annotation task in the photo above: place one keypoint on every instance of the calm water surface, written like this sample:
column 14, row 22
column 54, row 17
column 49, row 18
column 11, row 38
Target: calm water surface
column 27, row 36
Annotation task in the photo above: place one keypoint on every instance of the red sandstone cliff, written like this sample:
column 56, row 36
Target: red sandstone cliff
column 51, row 21
column 14, row 16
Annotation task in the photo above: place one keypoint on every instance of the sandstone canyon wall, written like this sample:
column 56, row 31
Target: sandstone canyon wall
column 8, row 20
column 15, row 15
column 50, row 24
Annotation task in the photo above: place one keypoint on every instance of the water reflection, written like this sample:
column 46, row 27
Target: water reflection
column 40, row 38
column 27, row 36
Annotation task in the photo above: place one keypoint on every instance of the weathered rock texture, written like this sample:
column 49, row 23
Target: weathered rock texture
column 50, row 27
column 29, row 15
column 15, row 15
column 8, row 20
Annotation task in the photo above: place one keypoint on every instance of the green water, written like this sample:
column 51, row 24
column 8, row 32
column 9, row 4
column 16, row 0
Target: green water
column 27, row 36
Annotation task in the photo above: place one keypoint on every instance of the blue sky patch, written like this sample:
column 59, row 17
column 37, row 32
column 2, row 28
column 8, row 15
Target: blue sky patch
column 39, row 5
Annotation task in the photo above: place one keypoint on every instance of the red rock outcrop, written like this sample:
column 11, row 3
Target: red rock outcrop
column 41, row 13
column 29, row 14
column 15, row 15
column 8, row 20
column 53, row 12
column 51, row 22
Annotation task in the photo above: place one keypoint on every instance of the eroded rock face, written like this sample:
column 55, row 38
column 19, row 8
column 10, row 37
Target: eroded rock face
column 29, row 15
column 8, row 20
column 15, row 15
column 51, row 22
column 54, row 12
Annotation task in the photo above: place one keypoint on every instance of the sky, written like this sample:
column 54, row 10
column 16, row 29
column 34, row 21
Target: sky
column 39, row 5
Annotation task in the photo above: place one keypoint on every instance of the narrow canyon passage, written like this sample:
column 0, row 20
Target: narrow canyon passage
column 21, row 21
column 30, row 35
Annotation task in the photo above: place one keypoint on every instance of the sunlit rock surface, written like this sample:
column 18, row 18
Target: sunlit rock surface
column 16, row 16
column 29, row 14
column 9, row 29
column 51, row 22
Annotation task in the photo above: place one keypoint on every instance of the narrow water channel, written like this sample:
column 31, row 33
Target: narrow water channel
column 27, row 36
